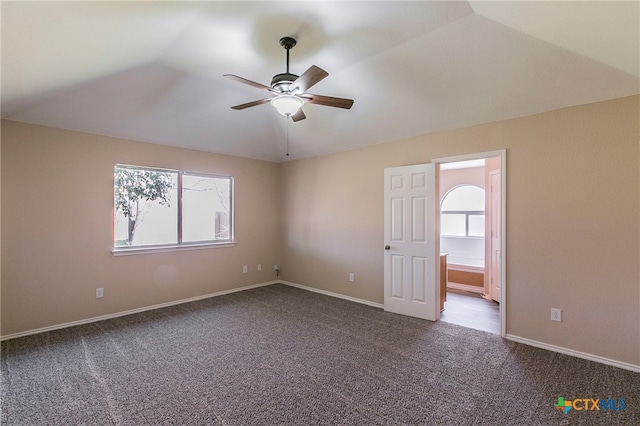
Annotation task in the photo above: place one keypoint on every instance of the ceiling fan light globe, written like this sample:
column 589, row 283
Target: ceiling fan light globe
column 287, row 104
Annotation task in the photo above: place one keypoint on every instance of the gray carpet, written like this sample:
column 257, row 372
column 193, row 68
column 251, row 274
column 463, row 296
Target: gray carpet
column 280, row 355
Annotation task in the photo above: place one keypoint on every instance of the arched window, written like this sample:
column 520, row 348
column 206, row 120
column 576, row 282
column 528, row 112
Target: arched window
column 462, row 212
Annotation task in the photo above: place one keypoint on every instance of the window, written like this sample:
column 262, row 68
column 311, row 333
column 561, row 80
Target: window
column 159, row 208
column 462, row 212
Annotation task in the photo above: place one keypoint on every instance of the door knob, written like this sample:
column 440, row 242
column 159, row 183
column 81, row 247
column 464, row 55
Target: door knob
column 387, row 247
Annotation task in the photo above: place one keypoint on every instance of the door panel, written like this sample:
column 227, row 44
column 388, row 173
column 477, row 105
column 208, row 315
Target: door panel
column 397, row 276
column 417, row 219
column 419, row 278
column 410, row 263
column 397, row 219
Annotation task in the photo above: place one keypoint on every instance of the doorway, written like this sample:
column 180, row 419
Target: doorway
column 471, row 234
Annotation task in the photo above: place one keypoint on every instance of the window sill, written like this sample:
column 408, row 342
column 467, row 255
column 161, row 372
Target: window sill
column 127, row 251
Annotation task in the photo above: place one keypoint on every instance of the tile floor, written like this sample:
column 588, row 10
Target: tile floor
column 471, row 311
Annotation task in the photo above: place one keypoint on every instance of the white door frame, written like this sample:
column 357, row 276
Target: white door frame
column 503, row 201
column 494, row 214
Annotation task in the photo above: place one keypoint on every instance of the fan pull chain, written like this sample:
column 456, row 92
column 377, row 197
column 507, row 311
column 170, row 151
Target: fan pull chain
column 288, row 117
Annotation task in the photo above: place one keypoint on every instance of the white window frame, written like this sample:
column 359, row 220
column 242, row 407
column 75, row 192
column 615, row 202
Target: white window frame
column 180, row 245
column 466, row 214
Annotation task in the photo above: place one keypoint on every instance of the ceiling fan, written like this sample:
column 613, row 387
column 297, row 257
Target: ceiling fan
column 290, row 90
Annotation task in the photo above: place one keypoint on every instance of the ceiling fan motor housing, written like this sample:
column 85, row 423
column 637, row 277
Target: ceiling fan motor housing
column 281, row 82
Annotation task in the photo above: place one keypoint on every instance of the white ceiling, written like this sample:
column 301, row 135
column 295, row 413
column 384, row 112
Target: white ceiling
column 152, row 71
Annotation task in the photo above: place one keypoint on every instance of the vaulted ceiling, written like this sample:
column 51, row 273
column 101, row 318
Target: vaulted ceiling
column 153, row 71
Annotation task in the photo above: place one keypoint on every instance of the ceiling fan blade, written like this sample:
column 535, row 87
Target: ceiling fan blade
column 298, row 115
column 309, row 78
column 328, row 101
column 249, row 82
column 251, row 104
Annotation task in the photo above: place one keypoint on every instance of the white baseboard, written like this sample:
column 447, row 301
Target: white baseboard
column 337, row 295
column 553, row 348
column 132, row 311
column 583, row 355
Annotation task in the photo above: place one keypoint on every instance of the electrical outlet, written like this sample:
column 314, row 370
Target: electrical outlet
column 259, row 267
column 275, row 267
column 245, row 269
column 556, row 314
column 352, row 277
column 99, row 292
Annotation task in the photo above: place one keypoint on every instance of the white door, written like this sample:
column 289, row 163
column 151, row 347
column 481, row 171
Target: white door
column 496, row 235
column 410, row 260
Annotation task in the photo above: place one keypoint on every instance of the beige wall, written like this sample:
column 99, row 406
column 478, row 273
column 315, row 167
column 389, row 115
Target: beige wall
column 57, row 203
column 573, row 237
column 449, row 179
column 573, row 219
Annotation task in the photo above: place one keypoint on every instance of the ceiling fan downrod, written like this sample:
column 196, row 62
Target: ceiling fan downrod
column 288, row 43
column 282, row 81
